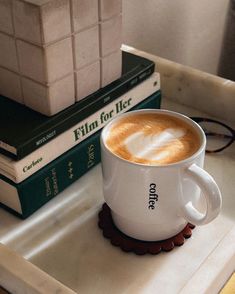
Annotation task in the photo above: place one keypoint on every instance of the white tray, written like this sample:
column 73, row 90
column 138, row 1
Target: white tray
column 66, row 251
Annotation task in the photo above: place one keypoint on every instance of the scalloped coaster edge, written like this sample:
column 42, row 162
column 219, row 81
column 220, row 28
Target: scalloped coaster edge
column 128, row 244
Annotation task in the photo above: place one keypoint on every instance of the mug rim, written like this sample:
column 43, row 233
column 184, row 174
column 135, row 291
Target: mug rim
column 181, row 116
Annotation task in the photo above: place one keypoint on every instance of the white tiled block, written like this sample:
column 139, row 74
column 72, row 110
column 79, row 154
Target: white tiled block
column 8, row 57
column 86, row 47
column 27, row 21
column 109, row 8
column 84, row 14
column 49, row 100
column 35, row 96
column 42, row 24
column 111, row 68
column 10, row 85
column 87, row 80
column 111, row 35
column 62, row 94
column 59, row 60
column 48, row 64
column 32, row 61
column 56, row 20
column 5, row 17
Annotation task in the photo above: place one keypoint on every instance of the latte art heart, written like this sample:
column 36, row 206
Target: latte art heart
column 154, row 147
column 153, row 139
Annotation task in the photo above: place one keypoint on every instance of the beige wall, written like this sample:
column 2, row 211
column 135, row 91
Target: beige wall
column 186, row 31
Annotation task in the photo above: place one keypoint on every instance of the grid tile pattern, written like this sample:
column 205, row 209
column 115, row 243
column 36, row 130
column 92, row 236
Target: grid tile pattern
column 56, row 52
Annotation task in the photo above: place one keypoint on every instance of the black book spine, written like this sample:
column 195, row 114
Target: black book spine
column 88, row 107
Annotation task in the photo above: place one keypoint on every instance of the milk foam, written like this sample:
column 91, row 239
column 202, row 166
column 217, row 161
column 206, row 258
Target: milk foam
column 154, row 139
column 150, row 147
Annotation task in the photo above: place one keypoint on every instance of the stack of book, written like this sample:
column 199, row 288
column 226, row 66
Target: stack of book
column 40, row 156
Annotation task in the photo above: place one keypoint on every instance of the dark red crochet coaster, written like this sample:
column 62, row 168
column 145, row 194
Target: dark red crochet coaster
column 128, row 244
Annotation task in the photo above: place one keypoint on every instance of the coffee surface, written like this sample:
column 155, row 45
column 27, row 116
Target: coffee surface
column 153, row 139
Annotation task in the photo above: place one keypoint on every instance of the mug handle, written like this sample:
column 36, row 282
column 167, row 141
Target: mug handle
column 211, row 193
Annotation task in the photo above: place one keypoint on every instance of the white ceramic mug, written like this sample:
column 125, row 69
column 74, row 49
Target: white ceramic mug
column 174, row 190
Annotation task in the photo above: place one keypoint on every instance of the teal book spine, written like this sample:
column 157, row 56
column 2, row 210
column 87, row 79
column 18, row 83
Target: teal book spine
column 48, row 182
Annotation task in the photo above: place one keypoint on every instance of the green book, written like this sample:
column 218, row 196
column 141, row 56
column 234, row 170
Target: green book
column 28, row 196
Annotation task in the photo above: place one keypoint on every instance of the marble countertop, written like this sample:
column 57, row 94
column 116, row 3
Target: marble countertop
column 188, row 86
column 66, row 252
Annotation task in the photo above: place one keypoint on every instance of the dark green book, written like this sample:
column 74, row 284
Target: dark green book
column 28, row 196
column 23, row 130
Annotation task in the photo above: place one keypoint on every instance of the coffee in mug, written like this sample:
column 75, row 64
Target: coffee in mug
column 153, row 176
column 154, row 139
